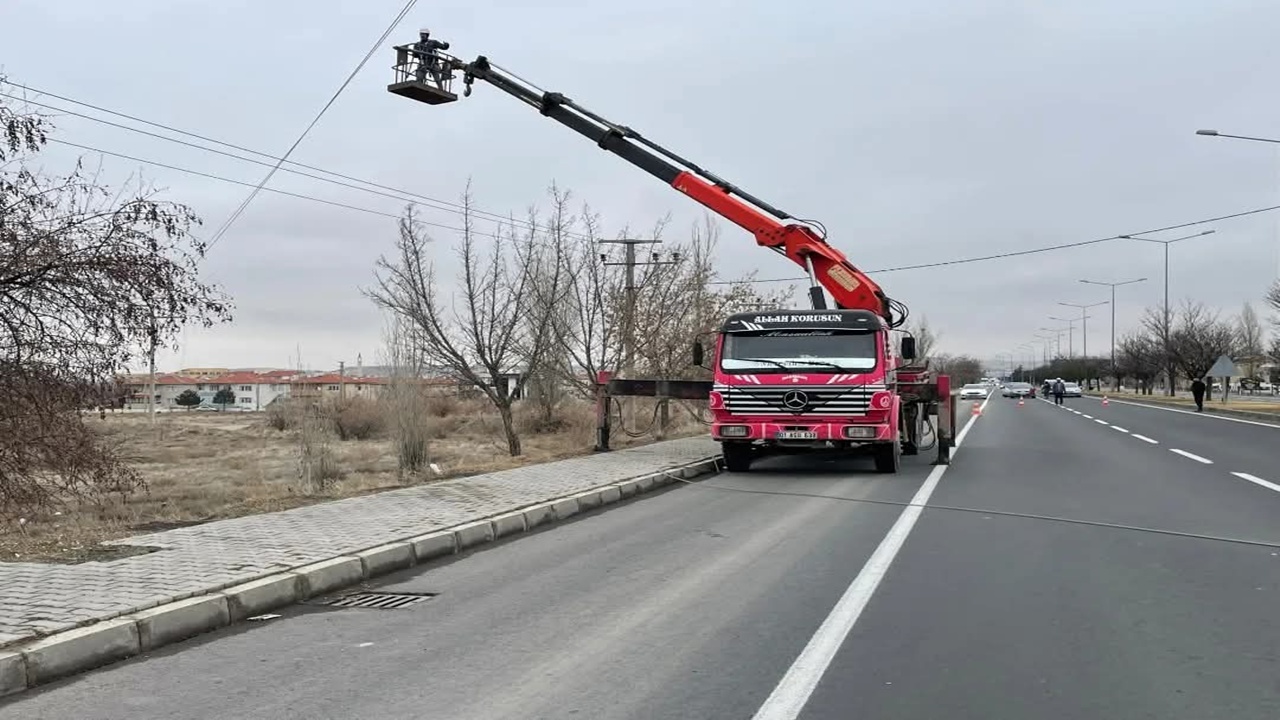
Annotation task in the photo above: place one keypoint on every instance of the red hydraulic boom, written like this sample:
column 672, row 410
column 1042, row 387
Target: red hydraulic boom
column 425, row 73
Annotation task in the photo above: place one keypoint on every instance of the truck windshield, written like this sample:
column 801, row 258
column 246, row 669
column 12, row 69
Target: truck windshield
column 808, row 350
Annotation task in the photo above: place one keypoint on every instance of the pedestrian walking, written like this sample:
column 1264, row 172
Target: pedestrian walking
column 1059, row 390
column 1197, row 392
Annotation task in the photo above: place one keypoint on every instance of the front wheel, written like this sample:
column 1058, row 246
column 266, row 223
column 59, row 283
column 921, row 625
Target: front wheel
column 888, row 457
column 737, row 456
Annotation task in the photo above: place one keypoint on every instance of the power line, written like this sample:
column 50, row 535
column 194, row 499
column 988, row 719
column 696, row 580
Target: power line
column 286, row 193
column 351, row 76
column 400, row 193
column 1018, row 253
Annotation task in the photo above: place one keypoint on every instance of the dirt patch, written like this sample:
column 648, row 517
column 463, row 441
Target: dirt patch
column 201, row 467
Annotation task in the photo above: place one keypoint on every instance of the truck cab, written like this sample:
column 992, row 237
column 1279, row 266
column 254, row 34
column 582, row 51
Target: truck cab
column 804, row 381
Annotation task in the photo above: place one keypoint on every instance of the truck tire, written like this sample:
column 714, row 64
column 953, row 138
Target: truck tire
column 888, row 457
column 737, row 456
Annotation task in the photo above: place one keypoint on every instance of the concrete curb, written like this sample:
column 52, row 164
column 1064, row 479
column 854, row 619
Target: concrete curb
column 84, row 648
column 1208, row 408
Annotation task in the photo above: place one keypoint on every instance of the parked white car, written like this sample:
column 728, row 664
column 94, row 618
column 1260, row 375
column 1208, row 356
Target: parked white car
column 974, row 391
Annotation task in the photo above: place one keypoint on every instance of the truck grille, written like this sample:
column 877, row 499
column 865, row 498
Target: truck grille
column 799, row 400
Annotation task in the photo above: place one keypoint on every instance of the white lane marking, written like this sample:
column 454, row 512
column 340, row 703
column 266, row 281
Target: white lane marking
column 1257, row 481
column 1089, row 417
column 1117, row 427
column 1144, row 438
column 1203, row 415
column 1077, row 412
column 1103, row 422
column 793, row 690
column 1193, row 456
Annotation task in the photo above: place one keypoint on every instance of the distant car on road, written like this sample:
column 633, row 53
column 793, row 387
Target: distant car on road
column 974, row 391
column 1072, row 390
column 1019, row 390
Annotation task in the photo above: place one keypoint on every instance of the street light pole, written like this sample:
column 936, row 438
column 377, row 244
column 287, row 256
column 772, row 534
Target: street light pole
column 1071, row 334
column 1166, row 328
column 1057, row 333
column 1215, row 133
column 1115, row 376
column 1084, row 334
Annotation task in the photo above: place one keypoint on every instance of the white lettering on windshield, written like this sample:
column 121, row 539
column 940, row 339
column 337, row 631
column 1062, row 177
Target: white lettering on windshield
column 795, row 318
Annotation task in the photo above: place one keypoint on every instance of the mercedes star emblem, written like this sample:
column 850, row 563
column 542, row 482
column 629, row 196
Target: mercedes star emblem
column 795, row 400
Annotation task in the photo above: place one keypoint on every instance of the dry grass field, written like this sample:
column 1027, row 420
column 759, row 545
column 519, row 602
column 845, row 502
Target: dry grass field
column 202, row 466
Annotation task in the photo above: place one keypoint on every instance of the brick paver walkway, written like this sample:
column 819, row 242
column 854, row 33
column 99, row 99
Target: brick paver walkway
column 37, row 598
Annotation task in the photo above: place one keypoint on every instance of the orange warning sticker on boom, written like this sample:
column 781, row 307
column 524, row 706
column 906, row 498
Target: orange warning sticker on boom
column 844, row 277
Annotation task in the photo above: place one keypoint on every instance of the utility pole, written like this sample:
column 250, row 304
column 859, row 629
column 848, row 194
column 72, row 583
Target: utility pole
column 629, row 263
column 342, row 380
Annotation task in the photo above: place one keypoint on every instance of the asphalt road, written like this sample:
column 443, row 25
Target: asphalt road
column 705, row 601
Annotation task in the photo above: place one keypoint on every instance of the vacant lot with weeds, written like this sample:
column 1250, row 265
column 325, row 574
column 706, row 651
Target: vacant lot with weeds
column 202, row 466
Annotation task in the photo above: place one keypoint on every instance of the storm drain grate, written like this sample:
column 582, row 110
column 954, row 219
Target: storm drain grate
column 379, row 601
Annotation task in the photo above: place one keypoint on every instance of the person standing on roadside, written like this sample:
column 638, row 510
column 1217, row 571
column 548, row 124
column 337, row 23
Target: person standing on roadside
column 1059, row 389
column 1197, row 393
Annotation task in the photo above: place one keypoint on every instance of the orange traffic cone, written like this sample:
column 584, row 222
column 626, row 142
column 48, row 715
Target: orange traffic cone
column 1020, row 402
column 977, row 409
column 1105, row 402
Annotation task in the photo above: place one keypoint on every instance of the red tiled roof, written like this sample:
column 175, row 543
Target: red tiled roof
column 336, row 379
column 176, row 380
column 239, row 378
column 279, row 373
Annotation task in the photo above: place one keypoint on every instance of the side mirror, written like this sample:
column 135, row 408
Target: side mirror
column 697, row 353
column 908, row 348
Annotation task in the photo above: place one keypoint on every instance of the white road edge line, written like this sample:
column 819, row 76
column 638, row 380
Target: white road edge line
column 1088, row 417
column 1117, row 427
column 1193, row 456
column 1144, row 438
column 1257, row 481
column 1203, row 415
column 792, row 692
column 1102, row 422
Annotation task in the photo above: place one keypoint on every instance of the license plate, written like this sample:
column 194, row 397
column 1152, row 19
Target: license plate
column 797, row 435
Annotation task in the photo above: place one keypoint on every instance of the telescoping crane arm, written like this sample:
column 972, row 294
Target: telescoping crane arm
column 425, row 73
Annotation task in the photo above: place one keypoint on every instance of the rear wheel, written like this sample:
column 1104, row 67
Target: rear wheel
column 888, row 457
column 737, row 456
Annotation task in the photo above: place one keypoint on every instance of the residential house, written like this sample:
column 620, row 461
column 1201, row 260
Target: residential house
column 167, row 389
column 334, row 385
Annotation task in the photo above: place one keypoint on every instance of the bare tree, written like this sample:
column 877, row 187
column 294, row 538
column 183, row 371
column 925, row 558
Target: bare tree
column 1199, row 339
column 675, row 303
column 1273, row 299
column 90, row 278
column 1140, row 356
column 926, row 338
column 1273, row 352
column 678, row 302
column 962, row 369
column 550, row 312
column 406, row 398
column 481, row 334
column 1249, row 338
column 1159, row 323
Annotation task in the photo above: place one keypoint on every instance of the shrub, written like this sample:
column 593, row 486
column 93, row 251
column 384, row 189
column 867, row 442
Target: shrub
column 356, row 419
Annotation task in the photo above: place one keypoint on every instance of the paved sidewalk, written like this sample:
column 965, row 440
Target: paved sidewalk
column 39, row 599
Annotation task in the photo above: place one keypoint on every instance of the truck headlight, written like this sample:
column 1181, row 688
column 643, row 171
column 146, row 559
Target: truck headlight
column 860, row 432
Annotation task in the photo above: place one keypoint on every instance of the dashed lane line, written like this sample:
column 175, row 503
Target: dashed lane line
column 1257, row 481
column 1146, row 439
column 1101, row 422
column 1192, row 456
column 1117, row 427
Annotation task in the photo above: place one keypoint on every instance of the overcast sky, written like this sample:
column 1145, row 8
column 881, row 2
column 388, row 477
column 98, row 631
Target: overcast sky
column 916, row 131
